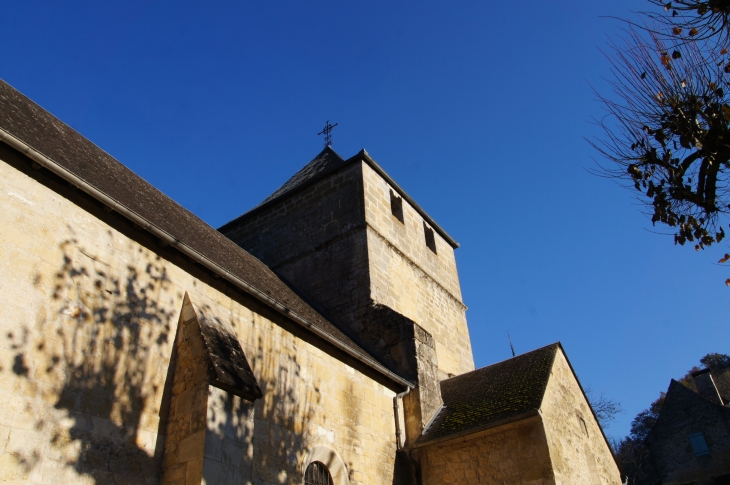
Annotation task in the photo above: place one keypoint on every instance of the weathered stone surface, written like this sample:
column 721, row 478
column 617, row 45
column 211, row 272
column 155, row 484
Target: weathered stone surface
column 424, row 401
column 578, row 450
column 339, row 244
column 411, row 279
column 90, row 304
column 229, row 368
column 87, row 322
column 516, row 454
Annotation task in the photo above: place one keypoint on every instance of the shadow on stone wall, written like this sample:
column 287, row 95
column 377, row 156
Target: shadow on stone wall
column 91, row 362
column 292, row 398
column 94, row 364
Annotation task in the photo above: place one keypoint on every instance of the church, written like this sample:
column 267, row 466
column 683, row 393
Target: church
column 318, row 339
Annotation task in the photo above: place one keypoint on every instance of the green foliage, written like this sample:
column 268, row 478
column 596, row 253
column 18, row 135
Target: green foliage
column 716, row 362
column 644, row 421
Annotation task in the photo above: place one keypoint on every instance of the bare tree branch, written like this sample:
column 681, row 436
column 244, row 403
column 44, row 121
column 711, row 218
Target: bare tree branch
column 666, row 131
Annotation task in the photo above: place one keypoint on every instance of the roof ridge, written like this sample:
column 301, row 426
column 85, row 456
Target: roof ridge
column 326, row 162
column 509, row 359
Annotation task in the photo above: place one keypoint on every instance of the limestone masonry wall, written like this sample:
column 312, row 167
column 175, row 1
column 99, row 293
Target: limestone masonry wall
column 409, row 278
column 578, row 451
column 229, row 451
column 315, row 239
column 408, row 236
column 87, row 323
column 512, row 454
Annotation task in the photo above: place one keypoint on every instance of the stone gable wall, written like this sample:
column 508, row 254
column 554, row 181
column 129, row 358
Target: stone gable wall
column 684, row 414
column 515, row 453
column 578, row 451
column 87, row 323
column 409, row 278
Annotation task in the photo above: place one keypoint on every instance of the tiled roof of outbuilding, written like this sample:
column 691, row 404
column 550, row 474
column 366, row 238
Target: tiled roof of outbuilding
column 492, row 394
column 37, row 128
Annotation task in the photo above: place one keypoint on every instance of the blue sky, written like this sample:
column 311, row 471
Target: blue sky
column 478, row 109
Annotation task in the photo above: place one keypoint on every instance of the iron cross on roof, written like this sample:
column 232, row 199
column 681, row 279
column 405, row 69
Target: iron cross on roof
column 327, row 132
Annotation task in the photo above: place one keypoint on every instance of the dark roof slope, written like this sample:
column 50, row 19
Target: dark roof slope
column 492, row 394
column 25, row 120
column 327, row 161
column 680, row 398
column 722, row 381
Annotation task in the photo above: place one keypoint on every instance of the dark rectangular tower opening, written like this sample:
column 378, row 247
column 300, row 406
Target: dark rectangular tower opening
column 396, row 206
column 430, row 240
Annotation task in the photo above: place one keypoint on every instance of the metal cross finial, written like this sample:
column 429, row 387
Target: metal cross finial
column 327, row 132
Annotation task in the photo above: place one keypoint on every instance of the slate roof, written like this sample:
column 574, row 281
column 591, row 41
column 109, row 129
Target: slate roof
column 327, row 161
column 28, row 122
column 230, row 369
column 492, row 394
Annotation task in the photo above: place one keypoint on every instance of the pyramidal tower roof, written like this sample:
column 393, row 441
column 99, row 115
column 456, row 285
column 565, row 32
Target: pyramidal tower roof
column 326, row 161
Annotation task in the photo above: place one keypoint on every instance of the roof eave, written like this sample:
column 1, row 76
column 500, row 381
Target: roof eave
column 478, row 429
column 365, row 156
column 192, row 253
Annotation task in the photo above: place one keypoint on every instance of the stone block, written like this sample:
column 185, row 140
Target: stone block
column 191, row 447
column 214, row 445
column 194, row 472
column 217, row 473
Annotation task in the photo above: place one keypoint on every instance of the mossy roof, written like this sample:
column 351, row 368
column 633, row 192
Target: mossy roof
column 492, row 394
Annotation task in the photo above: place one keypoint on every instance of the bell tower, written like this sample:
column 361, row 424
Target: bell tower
column 352, row 242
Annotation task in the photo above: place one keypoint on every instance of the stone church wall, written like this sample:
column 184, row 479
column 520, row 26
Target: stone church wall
column 578, row 450
column 409, row 278
column 315, row 239
column 87, row 324
column 515, row 453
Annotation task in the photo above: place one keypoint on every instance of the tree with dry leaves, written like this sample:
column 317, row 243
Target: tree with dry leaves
column 666, row 131
column 692, row 20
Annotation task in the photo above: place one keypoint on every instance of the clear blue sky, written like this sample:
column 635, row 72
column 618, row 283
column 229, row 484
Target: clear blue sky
column 478, row 109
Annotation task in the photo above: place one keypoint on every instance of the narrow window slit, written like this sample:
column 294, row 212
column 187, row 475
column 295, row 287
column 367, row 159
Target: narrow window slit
column 396, row 206
column 430, row 240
